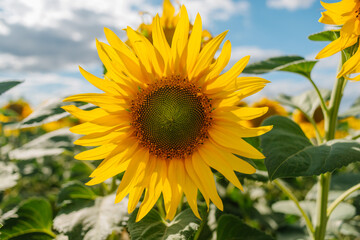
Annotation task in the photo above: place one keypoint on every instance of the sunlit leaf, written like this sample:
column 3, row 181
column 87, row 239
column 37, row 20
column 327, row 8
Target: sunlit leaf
column 339, row 183
column 154, row 227
column 290, row 154
column 32, row 221
column 50, row 111
column 329, row 35
column 307, row 102
column 8, row 175
column 270, row 64
column 353, row 111
column 232, row 227
column 341, row 212
column 49, row 144
column 302, row 67
column 83, row 215
column 7, row 85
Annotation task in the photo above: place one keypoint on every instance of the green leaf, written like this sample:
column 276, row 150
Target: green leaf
column 84, row 215
column 308, row 102
column 285, row 139
column 302, row 67
column 231, row 227
column 7, row 85
column 290, row 154
column 154, row 227
column 8, row 175
column 50, row 111
column 49, row 144
column 329, row 35
column 270, row 64
column 32, row 220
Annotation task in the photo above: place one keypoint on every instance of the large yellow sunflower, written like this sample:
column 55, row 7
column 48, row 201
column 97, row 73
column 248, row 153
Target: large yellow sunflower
column 347, row 14
column 168, row 116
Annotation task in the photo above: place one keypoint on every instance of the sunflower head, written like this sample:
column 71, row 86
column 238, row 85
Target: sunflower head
column 20, row 107
column 167, row 116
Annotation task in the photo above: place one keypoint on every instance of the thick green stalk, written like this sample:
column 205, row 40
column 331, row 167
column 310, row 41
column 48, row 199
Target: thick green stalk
column 331, row 118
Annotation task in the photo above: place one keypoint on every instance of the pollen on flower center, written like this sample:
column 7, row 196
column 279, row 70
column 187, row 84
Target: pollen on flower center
column 171, row 117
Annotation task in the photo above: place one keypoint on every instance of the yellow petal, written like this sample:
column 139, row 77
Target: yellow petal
column 229, row 78
column 351, row 65
column 194, row 44
column 159, row 40
column 96, row 153
column 90, row 128
column 211, row 157
column 83, row 114
column 337, row 45
column 133, row 174
column 180, row 38
column 107, row 102
column 207, row 55
column 235, row 144
column 207, row 179
column 96, row 139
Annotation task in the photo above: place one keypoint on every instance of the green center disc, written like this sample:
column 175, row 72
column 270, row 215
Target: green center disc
column 171, row 117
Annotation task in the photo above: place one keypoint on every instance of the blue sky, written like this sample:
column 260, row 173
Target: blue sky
column 43, row 42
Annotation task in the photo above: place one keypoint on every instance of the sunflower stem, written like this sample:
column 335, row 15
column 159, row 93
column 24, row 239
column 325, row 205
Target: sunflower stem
column 331, row 119
column 202, row 225
column 285, row 189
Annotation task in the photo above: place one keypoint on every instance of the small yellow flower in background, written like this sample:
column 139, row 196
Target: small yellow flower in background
column 167, row 116
column 21, row 108
column 274, row 109
column 61, row 123
column 309, row 129
column 353, row 122
column 345, row 13
column 305, row 124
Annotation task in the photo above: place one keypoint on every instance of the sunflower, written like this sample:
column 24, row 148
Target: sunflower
column 274, row 108
column 167, row 116
column 347, row 14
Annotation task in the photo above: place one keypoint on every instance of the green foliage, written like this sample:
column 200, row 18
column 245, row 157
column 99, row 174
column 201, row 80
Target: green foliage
column 294, row 64
column 7, row 85
column 32, row 220
column 353, row 111
column 270, row 64
column 153, row 226
column 8, row 175
column 232, row 228
column 329, row 35
column 50, row 111
column 307, row 102
column 49, row 144
column 290, row 154
column 84, row 215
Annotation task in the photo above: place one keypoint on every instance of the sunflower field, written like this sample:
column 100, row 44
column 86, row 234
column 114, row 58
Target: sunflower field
column 172, row 147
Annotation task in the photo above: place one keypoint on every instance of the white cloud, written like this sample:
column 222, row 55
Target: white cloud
column 211, row 10
column 291, row 5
